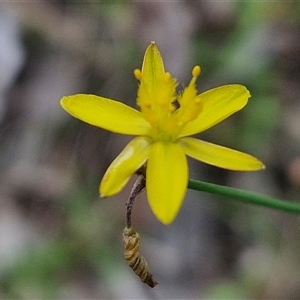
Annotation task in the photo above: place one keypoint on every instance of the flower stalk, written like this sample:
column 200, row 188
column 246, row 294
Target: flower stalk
column 244, row 196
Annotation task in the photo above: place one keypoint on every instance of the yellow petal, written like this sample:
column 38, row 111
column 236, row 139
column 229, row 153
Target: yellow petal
column 106, row 113
column 220, row 156
column 133, row 156
column 153, row 68
column 217, row 104
column 167, row 177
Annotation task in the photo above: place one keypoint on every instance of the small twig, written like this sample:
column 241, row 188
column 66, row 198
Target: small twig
column 138, row 187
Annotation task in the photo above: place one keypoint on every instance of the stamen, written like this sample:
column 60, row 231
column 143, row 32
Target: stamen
column 196, row 71
column 167, row 77
column 172, row 107
column 197, row 100
column 137, row 74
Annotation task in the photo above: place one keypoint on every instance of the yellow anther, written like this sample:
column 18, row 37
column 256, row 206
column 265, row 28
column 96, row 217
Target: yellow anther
column 167, row 77
column 172, row 107
column 196, row 71
column 197, row 100
column 137, row 74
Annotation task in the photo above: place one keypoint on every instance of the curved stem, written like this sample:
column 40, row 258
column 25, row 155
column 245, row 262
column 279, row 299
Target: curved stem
column 244, row 196
column 138, row 186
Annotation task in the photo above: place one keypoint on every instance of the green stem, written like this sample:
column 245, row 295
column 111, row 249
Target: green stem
column 244, row 196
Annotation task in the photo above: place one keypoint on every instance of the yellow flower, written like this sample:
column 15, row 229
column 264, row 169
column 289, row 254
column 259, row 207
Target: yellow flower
column 162, row 128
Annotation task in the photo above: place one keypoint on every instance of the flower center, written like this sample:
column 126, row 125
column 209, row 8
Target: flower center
column 159, row 104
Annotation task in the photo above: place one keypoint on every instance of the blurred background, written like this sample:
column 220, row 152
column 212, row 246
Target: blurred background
column 58, row 239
